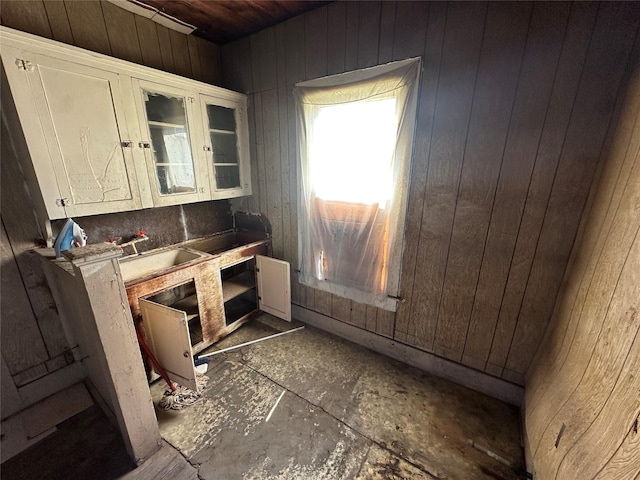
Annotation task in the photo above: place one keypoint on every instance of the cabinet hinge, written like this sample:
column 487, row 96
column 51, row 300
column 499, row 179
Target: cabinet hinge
column 191, row 100
column 63, row 202
column 259, row 297
column 24, row 64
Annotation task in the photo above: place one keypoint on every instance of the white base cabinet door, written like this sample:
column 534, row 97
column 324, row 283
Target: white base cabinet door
column 274, row 286
column 168, row 338
column 168, row 327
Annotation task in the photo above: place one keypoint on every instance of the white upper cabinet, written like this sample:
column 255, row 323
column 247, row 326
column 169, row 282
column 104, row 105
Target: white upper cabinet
column 226, row 140
column 170, row 123
column 105, row 135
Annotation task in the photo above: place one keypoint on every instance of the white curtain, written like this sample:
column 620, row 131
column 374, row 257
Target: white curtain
column 355, row 134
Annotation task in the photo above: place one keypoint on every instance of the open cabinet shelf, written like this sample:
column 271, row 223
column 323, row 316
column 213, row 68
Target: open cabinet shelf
column 237, row 285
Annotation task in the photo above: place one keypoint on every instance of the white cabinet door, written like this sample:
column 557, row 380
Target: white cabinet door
column 226, row 143
column 82, row 123
column 170, row 126
column 169, row 340
column 274, row 286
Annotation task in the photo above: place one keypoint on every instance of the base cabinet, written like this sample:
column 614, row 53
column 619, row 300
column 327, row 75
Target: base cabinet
column 179, row 322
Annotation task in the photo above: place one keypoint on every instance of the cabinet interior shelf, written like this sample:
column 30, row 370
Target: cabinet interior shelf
column 153, row 123
column 237, row 285
column 225, row 164
column 189, row 305
column 224, row 132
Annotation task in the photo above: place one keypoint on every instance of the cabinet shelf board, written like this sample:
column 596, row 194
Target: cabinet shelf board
column 154, row 123
column 237, row 285
column 188, row 304
column 224, row 132
column 225, row 164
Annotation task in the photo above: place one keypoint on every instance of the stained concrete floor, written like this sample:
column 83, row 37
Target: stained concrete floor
column 344, row 413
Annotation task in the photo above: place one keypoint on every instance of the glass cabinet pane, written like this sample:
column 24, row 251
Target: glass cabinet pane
column 167, row 120
column 224, row 146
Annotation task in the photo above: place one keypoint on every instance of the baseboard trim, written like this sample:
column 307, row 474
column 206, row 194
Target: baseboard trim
column 438, row 366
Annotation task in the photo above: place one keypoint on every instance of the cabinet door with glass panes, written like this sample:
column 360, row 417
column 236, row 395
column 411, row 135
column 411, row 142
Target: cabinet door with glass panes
column 169, row 124
column 226, row 145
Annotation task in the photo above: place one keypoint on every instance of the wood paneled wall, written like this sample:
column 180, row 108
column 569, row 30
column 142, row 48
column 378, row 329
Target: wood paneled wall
column 515, row 103
column 582, row 392
column 33, row 342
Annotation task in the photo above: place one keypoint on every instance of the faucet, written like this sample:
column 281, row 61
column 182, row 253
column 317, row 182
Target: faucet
column 140, row 236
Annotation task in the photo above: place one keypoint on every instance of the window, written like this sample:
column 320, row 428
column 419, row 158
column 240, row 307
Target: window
column 355, row 133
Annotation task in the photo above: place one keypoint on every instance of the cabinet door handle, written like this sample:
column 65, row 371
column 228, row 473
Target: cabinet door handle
column 206, row 148
column 126, row 144
column 144, row 145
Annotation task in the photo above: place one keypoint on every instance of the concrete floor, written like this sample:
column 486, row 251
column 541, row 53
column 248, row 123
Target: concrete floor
column 344, row 413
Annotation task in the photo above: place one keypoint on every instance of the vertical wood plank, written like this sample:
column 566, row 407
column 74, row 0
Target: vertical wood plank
column 353, row 22
column 58, row 21
column 566, row 82
column 256, row 77
column 295, row 72
column 460, row 54
column 254, row 199
column 259, row 164
column 273, row 169
column 166, row 51
column 358, row 314
column 368, row 34
column 336, row 37
column 210, row 62
column 599, row 370
column 28, row 16
column 315, row 41
column 22, row 344
column 194, row 57
column 264, row 61
column 411, row 29
column 23, row 231
column 87, row 26
column 610, row 51
column 594, row 232
column 180, row 51
column 544, row 42
column 405, row 323
column 385, row 323
column 340, row 308
column 149, row 43
column 295, row 33
column 573, row 325
column 230, row 74
column 323, row 302
column 582, row 376
column 624, row 462
column 371, row 318
column 293, row 189
column 496, row 82
column 285, row 173
column 121, row 29
column 281, row 55
column 387, row 31
column 244, row 58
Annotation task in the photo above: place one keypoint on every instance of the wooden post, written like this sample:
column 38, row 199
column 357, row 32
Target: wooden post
column 113, row 363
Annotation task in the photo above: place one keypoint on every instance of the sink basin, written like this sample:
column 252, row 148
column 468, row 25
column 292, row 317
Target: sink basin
column 151, row 263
